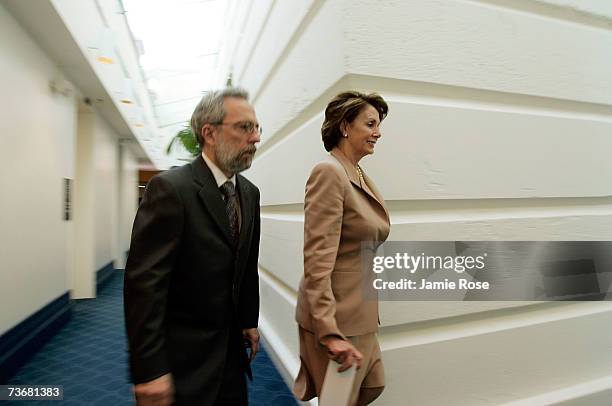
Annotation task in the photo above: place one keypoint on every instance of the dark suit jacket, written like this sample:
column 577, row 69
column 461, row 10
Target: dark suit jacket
column 186, row 288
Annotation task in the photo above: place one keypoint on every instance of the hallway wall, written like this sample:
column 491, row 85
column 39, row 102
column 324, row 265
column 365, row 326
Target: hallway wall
column 128, row 201
column 499, row 125
column 37, row 147
column 106, row 178
column 105, row 201
column 38, row 150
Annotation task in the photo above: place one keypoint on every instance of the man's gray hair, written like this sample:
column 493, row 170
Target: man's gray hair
column 210, row 109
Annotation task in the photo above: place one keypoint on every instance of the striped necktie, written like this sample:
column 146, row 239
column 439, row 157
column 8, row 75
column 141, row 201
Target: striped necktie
column 231, row 208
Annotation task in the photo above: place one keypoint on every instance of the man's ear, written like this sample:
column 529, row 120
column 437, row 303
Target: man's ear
column 208, row 134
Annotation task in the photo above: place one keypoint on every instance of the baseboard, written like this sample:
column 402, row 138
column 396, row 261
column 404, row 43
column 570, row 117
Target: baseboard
column 104, row 273
column 22, row 341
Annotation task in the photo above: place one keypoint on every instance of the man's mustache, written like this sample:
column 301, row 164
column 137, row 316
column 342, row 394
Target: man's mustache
column 250, row 150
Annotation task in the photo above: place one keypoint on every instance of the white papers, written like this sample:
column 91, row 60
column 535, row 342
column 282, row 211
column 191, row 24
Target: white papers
column 337, row 386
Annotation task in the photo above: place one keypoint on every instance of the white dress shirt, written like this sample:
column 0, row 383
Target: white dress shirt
column 220, row 178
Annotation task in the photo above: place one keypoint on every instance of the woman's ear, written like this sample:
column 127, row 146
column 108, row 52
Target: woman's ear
column 343, row 128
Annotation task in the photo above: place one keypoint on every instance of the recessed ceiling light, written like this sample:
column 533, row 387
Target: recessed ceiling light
column 105, row 47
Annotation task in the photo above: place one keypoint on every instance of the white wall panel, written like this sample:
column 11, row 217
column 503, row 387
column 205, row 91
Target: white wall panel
column 255, row 27
column 281, row 248
column 308, row 69
column 404, row 315
column 436, row 150
column 490, row 368
column 472, row 45
column 288, row 169
column 569, row 9
column 578, row 227
column 275, row 300
column 275, row 38
column 438, row 42
column 463, row 152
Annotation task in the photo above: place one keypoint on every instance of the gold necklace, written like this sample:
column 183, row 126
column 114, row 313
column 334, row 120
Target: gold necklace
column 360, row 173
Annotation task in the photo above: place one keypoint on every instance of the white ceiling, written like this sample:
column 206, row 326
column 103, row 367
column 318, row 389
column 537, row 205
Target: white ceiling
column 180, row 38
column 179, row 42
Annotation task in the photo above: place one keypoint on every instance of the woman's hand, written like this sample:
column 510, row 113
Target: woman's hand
column 343, row 352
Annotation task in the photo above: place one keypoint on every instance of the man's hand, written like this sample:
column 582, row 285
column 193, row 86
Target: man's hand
column 158, row 392
column 343, row 352
column 251, row 335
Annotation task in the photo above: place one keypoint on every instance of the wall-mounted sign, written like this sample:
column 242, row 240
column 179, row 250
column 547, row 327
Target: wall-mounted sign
column 67, row 199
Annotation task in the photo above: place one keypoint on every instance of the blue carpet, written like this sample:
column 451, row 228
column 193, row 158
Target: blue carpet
column 88, row 357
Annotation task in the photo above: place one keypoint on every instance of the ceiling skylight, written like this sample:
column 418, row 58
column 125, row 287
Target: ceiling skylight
column 179, row 42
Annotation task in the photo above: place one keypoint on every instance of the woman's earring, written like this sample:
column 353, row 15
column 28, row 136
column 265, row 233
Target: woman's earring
column 345, row 135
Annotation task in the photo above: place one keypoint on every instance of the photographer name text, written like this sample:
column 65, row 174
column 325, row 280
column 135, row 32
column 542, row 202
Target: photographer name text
column 408, row 284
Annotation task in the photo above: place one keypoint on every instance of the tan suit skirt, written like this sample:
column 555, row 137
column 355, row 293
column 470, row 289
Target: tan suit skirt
column 314, row 360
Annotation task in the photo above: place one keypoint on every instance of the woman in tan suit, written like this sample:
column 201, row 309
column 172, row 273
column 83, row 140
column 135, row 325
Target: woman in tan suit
column 342, row 209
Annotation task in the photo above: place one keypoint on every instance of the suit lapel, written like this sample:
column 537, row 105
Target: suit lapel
column 353, row 176
column 246, row 209
column 211, row 197
column 377, row 194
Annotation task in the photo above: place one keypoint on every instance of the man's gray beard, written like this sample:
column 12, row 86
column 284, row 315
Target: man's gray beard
column 232, row 161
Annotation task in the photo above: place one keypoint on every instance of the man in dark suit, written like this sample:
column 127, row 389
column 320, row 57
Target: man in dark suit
column 191, row 282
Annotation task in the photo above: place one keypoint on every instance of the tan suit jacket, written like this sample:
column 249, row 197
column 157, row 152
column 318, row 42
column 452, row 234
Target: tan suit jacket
column 341, row 211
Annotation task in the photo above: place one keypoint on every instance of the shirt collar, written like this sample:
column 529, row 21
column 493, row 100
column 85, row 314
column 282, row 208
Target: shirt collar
column 220, row 177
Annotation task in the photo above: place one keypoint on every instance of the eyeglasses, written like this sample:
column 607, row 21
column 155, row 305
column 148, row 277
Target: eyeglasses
column 245, row 127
